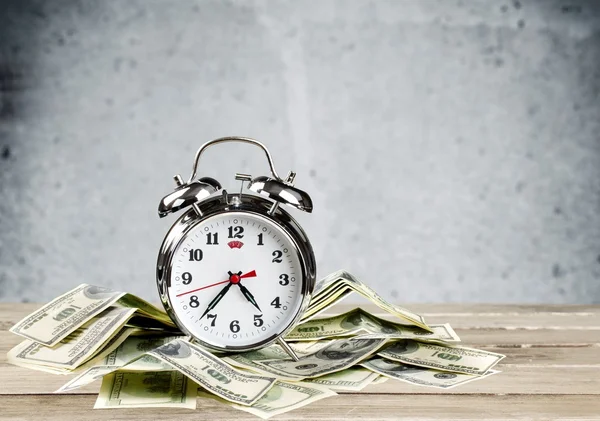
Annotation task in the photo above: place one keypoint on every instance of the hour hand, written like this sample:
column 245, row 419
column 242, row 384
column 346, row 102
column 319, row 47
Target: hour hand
column 248, row 296
column 216, row 300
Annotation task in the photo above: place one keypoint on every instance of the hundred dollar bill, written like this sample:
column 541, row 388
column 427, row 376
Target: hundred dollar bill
column 64, row 314
column 379, row 380
column 446, row 358
column 145, row 308
column 212, row 373
column 420, row 375
column 359, row 321
column 337, row 356
column 134, row 350
column 349, row 380
column 129, row 355
column 141, row 321
column 283, row 397
column 88, row 376
column 350, row 283
column 165, row 389
column 109, row 346
column 247, row 362
column 276, row 352
column 79, row 346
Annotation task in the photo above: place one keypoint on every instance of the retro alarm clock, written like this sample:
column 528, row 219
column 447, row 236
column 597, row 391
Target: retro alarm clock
column 236, row 272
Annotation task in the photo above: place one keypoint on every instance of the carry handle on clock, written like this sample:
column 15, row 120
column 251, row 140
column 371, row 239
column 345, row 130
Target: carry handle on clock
column 232, row 139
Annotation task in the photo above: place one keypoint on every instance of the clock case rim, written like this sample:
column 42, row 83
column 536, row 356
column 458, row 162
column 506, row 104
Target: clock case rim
column 245, row 203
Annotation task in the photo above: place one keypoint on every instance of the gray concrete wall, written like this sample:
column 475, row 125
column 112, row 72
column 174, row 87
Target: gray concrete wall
column 451, row 147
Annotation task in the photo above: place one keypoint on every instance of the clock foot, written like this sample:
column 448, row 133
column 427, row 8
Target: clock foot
column 287, row 349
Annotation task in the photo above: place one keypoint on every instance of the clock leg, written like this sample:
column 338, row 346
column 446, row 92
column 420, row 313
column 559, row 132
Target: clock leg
column 287, row 349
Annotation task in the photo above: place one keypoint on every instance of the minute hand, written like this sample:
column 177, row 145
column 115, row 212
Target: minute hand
column 216, row 300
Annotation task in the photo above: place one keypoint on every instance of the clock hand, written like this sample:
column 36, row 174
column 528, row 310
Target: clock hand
column 250, row 274
column 216, row 300
column 201, row 288
column 248, row 296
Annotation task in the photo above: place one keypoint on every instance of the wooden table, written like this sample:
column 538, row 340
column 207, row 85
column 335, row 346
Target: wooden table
column 551, row 371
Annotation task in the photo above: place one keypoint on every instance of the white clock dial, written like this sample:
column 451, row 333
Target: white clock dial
column 236, row 280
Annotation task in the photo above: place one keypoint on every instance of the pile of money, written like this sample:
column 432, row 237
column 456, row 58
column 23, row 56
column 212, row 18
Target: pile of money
column 144, row 361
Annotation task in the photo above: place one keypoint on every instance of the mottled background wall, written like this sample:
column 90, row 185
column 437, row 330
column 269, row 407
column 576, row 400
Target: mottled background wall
column 451, row 147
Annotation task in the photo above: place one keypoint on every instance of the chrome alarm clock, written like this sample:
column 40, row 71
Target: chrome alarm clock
column 236, row 272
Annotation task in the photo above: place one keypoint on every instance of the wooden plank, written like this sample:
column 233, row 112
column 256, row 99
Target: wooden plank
column 551, row 372
column 516, row 354
column 442, row 309
column 483, row 338
column 500, row 317
column 526, row 338
column 549, row 356
column 343, row 407
column 531, row 321
column 514, row 379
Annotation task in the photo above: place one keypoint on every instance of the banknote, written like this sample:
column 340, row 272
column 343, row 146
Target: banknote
column 380, row 380
column 337, row 356
column 109, row 346
column 346, row 324
column 145, row 308
column 421, row 376
column 134, row 348
column 360, row 321
column 326, row 299
column 283, row 397
column 165, row 389
column 446, row 358
column 146, row 323
column 212, row 373
column 352, row 283
column 61, row 316
column 43, row 368
column 130, row 355
column 79, row 346
column 246, row 362
column 88, row 376
column 349, row 380
column 305, row 346
column 276, row 352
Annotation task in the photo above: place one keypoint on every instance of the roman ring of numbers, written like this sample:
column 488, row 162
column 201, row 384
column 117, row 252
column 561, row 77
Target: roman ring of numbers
column 236, row 279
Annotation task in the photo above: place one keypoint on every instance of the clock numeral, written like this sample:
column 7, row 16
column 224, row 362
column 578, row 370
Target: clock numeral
column 187, row 278
column 213, row 317
column 277, row 256
column 276, row 303
column 234, row 326
column 258, row 321
column 194, row 301
column 260, row 240
column 236, row 232
column 284, row 279
column 196, row 255
column 212, row 239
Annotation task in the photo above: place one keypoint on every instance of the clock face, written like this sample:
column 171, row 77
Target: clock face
column 236, row 280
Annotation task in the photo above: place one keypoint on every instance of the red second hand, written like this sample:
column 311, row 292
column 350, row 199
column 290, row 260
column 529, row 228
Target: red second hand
column 250, row 274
